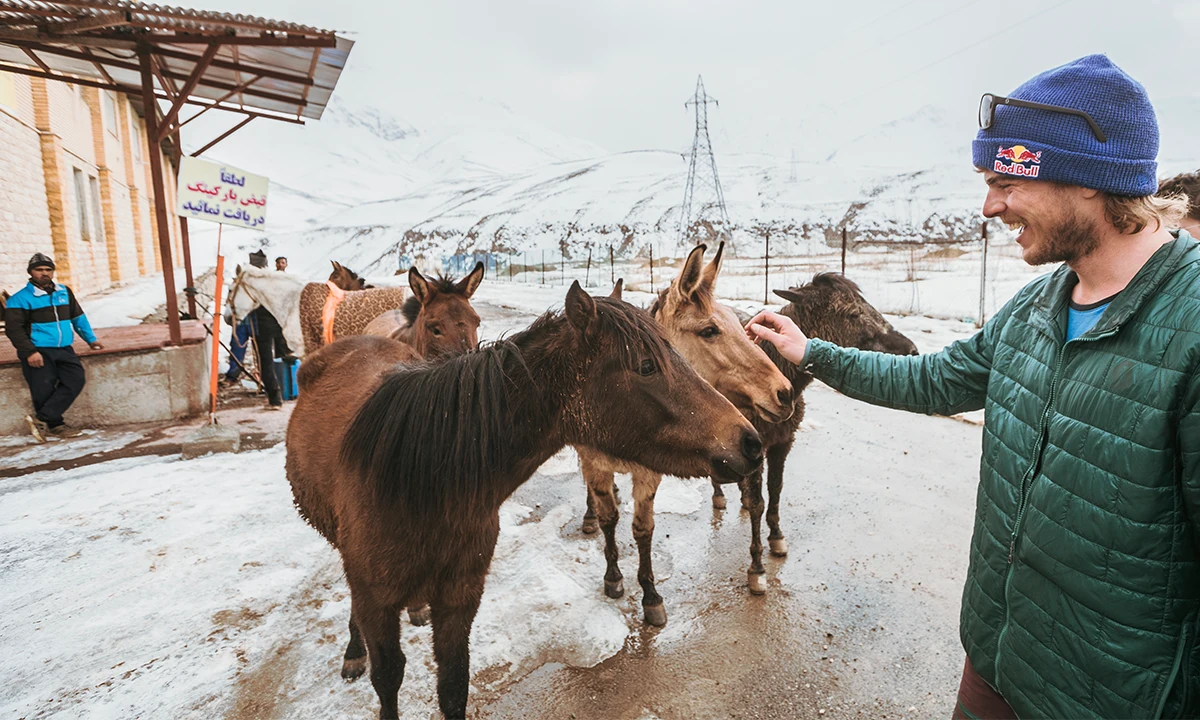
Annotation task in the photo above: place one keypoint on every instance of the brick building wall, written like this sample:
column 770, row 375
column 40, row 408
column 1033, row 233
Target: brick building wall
column 24, row 218
column 75, row 183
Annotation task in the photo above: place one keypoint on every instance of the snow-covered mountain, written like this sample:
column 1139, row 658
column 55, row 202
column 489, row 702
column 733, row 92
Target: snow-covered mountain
column 467, row 174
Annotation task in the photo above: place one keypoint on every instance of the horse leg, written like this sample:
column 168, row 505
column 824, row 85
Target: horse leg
column 744, row 489
column 600, row 490
column 451, row 635
column 756, row 576
column 776, row 455
column 590, row 524
column 354, row 662
column 645, row 485
column 718, row 496
column 380, row 626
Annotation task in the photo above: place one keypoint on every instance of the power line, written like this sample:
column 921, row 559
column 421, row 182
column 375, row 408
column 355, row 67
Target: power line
column 892, row 82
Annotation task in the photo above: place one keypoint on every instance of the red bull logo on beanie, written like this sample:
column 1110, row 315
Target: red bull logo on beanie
column 1018, row 156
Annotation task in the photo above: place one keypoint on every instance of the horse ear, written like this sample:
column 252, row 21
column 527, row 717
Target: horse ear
column 709, row 277
column 468, row 285
column 789, row 295
column 237, row 269
column 689, row 280
column 581, row 308
column 618, row 289
column 336, row 267
column 419, row 285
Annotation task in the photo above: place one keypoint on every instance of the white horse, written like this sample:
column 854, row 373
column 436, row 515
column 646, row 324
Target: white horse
column 278, row 292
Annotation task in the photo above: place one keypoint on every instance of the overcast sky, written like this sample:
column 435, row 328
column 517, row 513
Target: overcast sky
column 617, row 72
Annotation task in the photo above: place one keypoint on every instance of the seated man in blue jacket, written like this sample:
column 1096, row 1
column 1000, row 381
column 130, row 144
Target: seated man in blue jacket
column 41, row 321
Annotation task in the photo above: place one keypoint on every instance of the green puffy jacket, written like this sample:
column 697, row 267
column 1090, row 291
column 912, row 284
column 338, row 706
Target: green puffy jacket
column 1083, row 588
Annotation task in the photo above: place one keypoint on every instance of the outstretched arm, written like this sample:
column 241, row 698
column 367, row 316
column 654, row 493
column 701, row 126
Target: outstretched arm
column 951, row 381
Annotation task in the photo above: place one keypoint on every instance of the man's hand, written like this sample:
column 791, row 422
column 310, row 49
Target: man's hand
column 35, row 360
column 96, row 345
column 780, row 331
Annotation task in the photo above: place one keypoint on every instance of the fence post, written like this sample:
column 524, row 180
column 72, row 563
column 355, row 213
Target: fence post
column 983, row 277
column 562, row 268
column 587, row 276
column 543, row 266
column 843, row 250
column 612, row 268
column 767, row 268
column 651, row 267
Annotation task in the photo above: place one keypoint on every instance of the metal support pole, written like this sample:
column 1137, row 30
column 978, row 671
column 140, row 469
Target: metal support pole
column 767, row 268
column 587, row 276
column 160, row 195
column 651, row 267
column 543, row 266
column 843, row 250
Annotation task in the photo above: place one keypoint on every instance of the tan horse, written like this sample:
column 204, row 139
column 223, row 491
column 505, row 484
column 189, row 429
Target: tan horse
column 437, row 319
column 403, row 468
column 710, row 337
column 348, row 313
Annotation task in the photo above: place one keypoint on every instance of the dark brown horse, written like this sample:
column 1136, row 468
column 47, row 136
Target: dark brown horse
column 710, row 337
column 437, row 319
column 832, row 308
column 403, row 468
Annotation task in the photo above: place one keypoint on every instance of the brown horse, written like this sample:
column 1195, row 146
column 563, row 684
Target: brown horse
column 357, row 308
column 437, row 319
column 832, row 308
column 403, row 468
column 710, row 337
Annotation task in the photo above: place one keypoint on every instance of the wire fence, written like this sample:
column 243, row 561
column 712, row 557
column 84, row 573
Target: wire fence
column 959, row 280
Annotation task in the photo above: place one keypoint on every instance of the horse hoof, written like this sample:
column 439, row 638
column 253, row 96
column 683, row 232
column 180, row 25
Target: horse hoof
column 590, row 526
column 778, row 547
column 353, row 669
column 656, row 615
column 718, row 502
column 757, row 583
column 614, row 588
column 419, row 617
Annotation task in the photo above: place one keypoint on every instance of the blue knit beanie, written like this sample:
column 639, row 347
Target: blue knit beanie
column 1061, row 147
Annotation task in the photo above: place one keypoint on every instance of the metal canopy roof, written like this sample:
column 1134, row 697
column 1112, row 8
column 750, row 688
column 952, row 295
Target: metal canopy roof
column 262, row 68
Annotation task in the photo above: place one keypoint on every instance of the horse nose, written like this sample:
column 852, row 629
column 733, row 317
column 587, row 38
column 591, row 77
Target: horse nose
column 751, row 449
column 784, row 396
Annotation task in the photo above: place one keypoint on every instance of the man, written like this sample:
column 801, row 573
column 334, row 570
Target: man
column 41, row 320
column 1082, row 597
column 1185, row 184
column 268, row 341
column 281, row 264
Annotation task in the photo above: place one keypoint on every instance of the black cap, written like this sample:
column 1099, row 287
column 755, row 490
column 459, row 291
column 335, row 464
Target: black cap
column 40, row 260
column 258, row 259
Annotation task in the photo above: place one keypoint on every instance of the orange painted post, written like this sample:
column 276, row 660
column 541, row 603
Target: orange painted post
column 216, row 336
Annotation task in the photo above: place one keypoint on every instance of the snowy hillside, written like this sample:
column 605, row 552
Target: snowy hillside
column 466, row 174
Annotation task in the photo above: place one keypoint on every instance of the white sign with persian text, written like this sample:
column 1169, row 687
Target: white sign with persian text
column 221, row 194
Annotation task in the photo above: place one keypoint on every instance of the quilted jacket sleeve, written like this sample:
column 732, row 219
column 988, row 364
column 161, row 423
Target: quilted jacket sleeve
column 1189, row 453
column 951, row 381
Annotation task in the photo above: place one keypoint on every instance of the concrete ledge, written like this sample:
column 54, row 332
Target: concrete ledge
column 122, row 387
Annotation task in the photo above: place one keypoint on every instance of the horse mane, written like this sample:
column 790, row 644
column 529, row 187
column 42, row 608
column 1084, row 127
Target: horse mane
column 412, row 306
column 433, row 434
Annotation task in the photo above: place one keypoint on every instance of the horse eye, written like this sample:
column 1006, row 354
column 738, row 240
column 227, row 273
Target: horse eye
column 647, row 368
column 710, row 332
column 435, row 330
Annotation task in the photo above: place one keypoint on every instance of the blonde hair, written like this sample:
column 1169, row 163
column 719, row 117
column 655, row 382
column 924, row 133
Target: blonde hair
column 1131, row 215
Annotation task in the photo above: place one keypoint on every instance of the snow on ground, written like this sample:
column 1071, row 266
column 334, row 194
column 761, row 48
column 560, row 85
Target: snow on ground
column 57, row 450
column 127, row 304
column 153, row 587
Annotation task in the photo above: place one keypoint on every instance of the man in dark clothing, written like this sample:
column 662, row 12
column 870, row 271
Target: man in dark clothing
column 41, row 320
column 268, row 343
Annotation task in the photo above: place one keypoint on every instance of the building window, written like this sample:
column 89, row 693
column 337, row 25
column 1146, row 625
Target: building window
column 97, row 208
column 135, row 135
column 8, row 91
column 81, row 205
column 110, row 111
